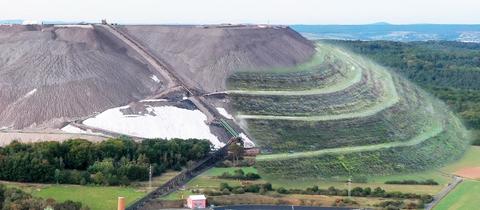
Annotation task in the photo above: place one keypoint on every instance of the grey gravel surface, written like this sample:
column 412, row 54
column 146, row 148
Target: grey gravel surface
column 205, row 56
column 50, row 74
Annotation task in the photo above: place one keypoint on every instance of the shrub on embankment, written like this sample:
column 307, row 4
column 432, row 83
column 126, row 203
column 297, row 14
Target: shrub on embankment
column 413, row 182
column 436, row 151
column 239, row 174
column 263, row 189
column 111, row 162
column 398, row 127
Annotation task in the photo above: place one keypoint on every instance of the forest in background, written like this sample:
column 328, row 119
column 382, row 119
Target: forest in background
column 449, row 70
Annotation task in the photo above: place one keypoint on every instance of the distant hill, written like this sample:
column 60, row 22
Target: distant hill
column 18, row 21
column 386, row 31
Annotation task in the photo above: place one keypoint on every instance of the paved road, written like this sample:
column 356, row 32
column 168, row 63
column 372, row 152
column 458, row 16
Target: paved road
column 437, row 198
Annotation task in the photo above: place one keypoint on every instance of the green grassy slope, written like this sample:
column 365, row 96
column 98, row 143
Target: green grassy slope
column 384, row 125
column 97, row 198
column 448, row 70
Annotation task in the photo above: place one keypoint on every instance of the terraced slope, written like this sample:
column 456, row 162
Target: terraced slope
column 380, row 123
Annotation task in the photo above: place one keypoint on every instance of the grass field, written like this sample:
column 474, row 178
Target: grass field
column 464, row 197
column 96, row 197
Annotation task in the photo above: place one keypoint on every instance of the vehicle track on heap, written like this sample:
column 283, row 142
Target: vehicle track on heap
column 174, row 80
column 171, row 79
column 194, row 96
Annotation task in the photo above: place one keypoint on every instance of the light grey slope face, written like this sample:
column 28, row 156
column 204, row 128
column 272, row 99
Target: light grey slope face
column 51, row 74
column 205, row 56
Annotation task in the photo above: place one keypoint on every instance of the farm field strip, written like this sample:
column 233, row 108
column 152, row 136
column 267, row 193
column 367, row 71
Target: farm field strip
column 464, row 196
column 436, row 129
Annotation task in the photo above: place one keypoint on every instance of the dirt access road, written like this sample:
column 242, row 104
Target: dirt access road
column 173, row 80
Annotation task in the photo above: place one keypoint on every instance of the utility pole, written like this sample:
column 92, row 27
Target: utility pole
column 150, row 177
column 349, row 182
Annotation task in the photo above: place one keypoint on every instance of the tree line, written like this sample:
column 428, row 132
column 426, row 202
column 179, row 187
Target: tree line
column 449, row 70
column 112, row 162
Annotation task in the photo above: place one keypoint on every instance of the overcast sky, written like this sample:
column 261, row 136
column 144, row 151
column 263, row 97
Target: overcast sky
column 246, row 11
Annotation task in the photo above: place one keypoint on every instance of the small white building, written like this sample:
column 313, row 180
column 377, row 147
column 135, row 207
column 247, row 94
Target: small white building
column 197, row 202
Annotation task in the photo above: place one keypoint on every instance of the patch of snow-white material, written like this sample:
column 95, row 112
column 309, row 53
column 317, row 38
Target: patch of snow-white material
column 73, row 129
column 162, row 122
column 224, row 113
column 30, row 93
column 248, row 143
column 31, row 22
column 197, row 197
column 155, row 78
column 74, row 26
column 153, row 100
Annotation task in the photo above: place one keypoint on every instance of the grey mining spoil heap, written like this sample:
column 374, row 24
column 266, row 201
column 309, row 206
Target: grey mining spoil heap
column 313, row 108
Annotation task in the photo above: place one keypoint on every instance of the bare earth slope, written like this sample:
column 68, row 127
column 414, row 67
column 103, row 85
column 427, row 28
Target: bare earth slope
column 49, row 74
column 204, row 56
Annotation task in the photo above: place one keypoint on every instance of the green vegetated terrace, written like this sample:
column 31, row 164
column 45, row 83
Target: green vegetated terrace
column 448, row 70
column 324, row 73
column 400, row 122
column 361, row 95
column 406, row 131
column 427, row 154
